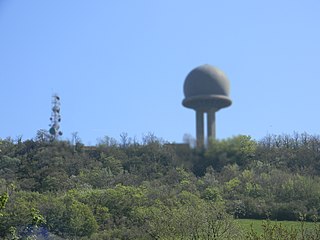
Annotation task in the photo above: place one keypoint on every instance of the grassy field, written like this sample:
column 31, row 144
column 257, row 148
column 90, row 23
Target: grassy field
column 258, row 225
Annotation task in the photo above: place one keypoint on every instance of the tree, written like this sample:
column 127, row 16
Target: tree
column 238, row 150
column 187, row 217
column 3, row 200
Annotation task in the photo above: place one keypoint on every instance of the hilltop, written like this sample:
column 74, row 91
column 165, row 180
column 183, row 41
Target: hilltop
column 154, row 190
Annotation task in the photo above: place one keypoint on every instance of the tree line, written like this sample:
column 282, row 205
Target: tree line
column 151, row 189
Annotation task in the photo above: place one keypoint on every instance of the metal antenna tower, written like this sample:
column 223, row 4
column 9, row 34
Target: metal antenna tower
column 55, row 117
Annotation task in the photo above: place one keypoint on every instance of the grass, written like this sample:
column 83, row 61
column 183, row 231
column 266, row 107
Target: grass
column 257, row 225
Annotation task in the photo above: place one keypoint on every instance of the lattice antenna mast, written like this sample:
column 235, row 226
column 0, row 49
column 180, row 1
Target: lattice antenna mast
column 55, row 117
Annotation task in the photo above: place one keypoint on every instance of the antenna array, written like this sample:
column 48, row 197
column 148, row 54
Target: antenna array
column 55, row 117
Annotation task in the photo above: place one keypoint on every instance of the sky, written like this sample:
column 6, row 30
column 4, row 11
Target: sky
column 119, row 66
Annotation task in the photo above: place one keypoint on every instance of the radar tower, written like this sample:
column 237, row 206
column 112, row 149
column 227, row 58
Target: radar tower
column 206, row 90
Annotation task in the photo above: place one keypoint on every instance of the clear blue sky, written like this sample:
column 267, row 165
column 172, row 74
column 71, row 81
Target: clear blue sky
column 119, row 66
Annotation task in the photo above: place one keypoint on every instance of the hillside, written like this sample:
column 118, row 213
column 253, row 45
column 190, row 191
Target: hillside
column 155, row 190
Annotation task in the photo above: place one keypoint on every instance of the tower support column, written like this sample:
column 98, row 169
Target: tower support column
column 200, row 128
column 211, row 124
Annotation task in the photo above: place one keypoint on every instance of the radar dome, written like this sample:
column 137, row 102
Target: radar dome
column 206, row 87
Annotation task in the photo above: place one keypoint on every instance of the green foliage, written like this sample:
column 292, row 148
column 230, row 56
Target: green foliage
column 122, row 199
column 265, row 230
column 187, row 217
column 237, row 150
column 19, row 215
column 154, row 190
column 212, row 194
column 232, row 184
column 37, row 218
column 78, row 218
column 3, row 200
column 114, row 165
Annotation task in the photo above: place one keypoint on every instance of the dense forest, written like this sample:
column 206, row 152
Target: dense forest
column 151, row 189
